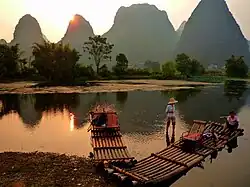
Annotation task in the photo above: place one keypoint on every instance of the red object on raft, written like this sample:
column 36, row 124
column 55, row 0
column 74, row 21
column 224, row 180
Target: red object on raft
column 112, row 119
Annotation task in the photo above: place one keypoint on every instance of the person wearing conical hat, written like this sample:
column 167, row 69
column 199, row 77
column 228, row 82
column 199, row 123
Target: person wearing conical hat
column 170, row 112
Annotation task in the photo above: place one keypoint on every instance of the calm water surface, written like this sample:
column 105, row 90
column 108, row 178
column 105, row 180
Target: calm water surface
column 42, row 122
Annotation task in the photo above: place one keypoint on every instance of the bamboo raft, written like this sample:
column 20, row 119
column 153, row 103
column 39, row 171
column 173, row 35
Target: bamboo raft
column 165, row 165
column 108, row 146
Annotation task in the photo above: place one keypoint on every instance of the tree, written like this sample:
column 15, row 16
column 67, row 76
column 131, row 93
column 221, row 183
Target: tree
column 169, row 69
column 187, row 66
column 121, row 66
column 55, row 62
column 99, row 50
column 236, row 67
column 10, row 60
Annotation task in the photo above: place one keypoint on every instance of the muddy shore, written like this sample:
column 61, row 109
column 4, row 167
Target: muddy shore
column 100, row 86
column 47, row 169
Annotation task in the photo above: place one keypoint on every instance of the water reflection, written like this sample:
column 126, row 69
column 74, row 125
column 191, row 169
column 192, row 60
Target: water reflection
column 234, row 89
column 56, row 102
column 61, row 119
column 121, row 97
column 232, row 145
column 170, row 138
column 213, row 102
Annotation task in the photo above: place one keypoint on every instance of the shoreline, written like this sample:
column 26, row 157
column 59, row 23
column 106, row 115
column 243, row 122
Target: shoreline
column 18, row 169
column 102, row 86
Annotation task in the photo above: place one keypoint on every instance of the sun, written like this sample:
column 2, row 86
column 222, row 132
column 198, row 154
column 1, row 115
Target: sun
column 72, row 18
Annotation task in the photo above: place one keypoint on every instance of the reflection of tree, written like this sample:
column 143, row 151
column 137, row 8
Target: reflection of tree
column 234, row 89
column 10, row 103
column 181, row 95
column 121, row 97
column 56, row 102
column 209, row 105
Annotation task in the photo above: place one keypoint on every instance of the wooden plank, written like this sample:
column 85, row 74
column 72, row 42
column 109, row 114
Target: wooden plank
column 135, row 176
column 109, row 135
column 170, row 160
column 115, row 147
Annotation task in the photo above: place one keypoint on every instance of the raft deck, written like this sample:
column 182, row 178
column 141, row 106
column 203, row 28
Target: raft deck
column 161, row 166
column 108, row 145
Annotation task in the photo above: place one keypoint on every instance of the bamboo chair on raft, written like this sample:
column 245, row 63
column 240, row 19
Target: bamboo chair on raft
column 194, row 137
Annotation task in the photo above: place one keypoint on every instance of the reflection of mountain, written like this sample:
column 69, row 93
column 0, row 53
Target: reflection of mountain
column 56, row 102
column 210, row 104
column 27, row 113
column 142, row 112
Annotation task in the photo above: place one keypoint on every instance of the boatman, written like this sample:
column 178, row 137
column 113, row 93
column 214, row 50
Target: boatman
column 232, row 121
column 170, row 112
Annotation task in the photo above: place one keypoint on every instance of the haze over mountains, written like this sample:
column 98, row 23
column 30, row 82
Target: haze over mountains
column 142, row 32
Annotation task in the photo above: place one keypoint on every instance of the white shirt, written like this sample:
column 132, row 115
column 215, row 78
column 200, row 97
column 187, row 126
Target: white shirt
column 170, row 110
column 232, row 121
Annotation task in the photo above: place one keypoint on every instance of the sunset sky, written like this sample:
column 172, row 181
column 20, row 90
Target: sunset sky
column 54, row 15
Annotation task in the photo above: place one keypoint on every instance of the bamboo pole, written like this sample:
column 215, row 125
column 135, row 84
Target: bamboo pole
column 132, row 175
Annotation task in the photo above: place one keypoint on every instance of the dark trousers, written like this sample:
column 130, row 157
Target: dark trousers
column 232, row 127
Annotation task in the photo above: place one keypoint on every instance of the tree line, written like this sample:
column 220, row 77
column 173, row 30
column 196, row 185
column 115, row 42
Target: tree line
column 59, row 63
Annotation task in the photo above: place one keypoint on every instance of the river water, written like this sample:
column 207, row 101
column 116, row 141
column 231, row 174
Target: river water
column 43, row 122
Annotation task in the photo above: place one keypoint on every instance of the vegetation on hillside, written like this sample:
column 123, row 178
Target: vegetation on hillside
column 58, row 63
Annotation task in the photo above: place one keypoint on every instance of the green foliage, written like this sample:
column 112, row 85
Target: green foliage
column 188, row 67
column 55, row 62
column 214, row 73
column 104, row 72
column 84, row 72
column 137, row 71
column 152, row 66
column 121, row 66
column 10, row 61
column 99, row 50
column 236, row 67
column 169, row 69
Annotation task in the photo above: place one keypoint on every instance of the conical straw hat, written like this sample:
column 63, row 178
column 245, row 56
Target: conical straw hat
column 172, row 101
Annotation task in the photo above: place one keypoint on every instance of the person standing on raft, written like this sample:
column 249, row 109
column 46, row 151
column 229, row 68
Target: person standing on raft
column 170, row 112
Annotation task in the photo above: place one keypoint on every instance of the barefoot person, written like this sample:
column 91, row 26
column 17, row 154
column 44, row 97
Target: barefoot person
column 170, row 112
column 232, row 121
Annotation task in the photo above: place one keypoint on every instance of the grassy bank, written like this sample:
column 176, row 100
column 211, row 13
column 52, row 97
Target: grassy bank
column 47, row 169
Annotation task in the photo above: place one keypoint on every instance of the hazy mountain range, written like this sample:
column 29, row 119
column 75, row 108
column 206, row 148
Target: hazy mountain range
column 143, row 32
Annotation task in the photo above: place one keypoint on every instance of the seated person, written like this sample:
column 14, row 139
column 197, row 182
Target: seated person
column 100, row 120
column 103, row 118
column 232, row 122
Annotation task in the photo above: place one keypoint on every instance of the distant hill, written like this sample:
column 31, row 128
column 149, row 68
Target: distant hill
column 181, row 28
column 212, row 35
column 79, row 30
column 142, row 32
column 27, row 32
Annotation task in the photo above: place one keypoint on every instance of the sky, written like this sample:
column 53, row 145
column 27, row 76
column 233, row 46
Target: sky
column 54, row 15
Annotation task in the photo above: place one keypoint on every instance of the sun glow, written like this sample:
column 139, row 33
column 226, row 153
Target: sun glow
column 71, row 123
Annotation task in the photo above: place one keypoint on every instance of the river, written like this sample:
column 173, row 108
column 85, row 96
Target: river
column 44, row 122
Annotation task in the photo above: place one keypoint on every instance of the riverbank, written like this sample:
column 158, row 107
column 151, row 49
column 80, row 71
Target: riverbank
column 47, row 169
column 100, row 86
